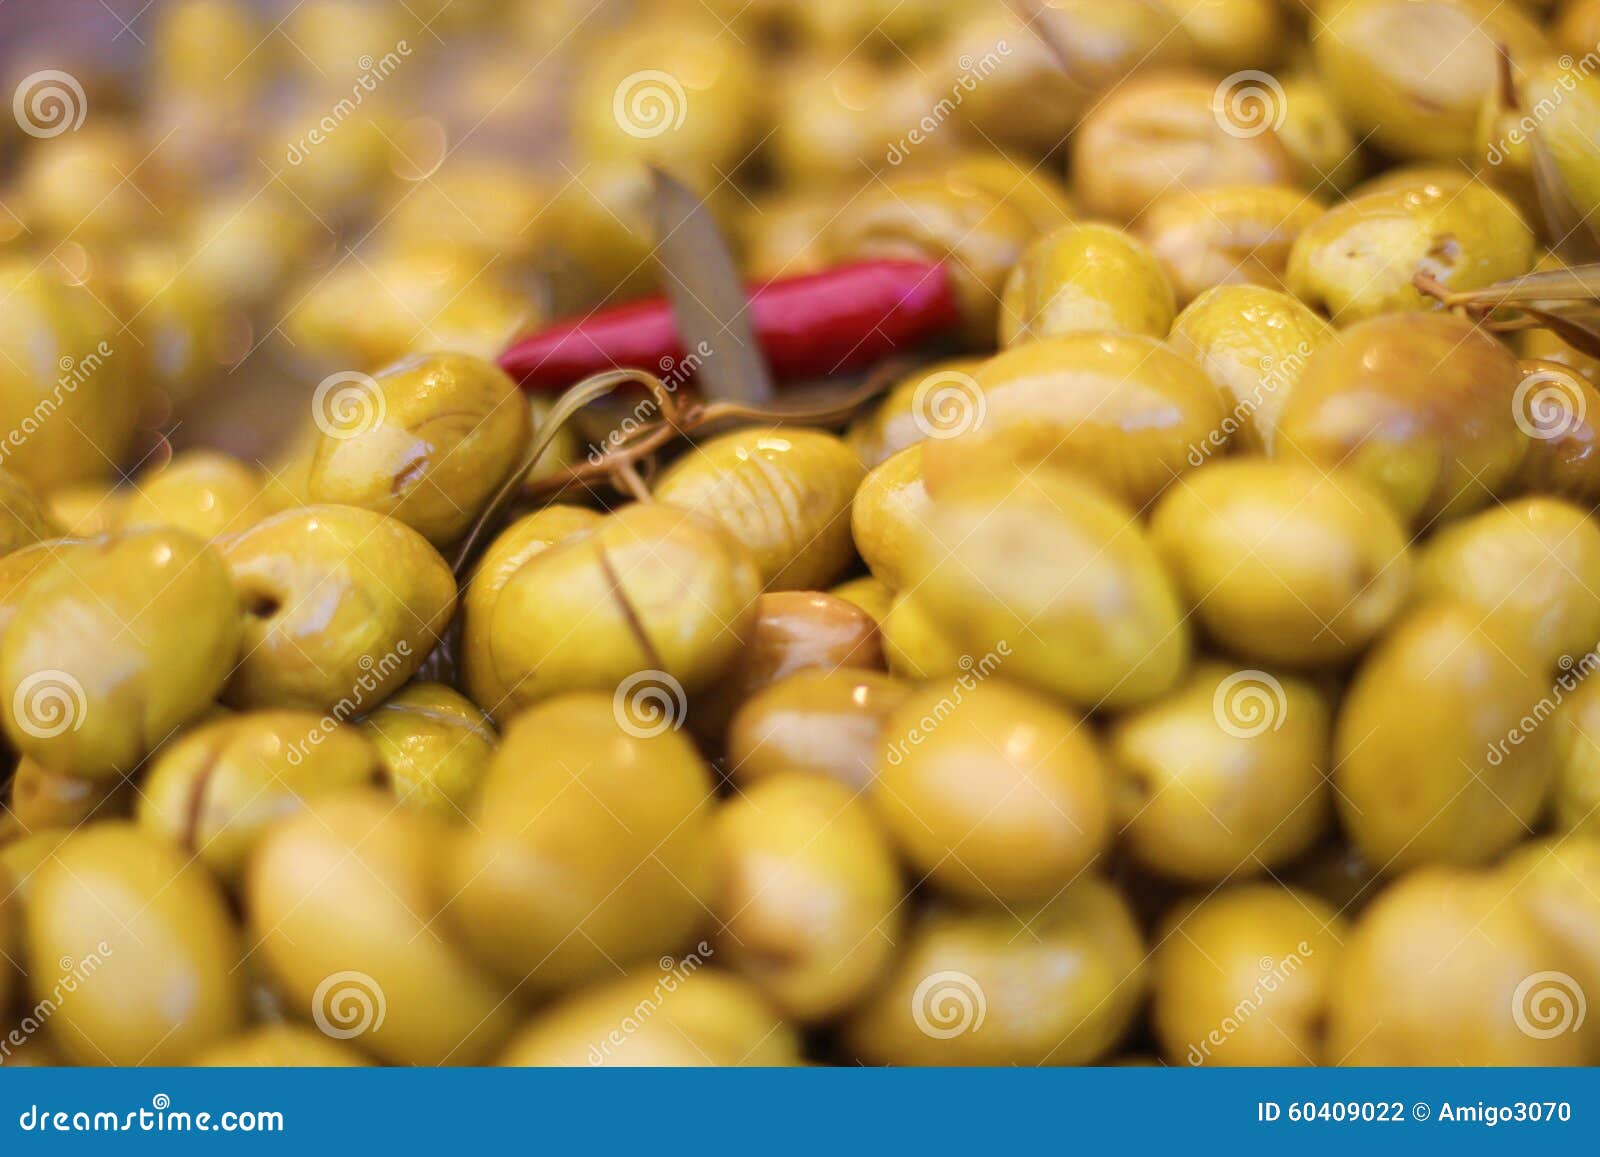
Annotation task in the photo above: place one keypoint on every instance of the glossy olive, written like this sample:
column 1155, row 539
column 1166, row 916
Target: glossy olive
column 1561, row 406
column 1576, row 802
column 434, row 744
column 916, row 645
column 199, row 491
column 42, row 798
column 868, row 592
column 823, row 722
column 921, row 405
column 1085, row 277
column 1227, row 235
column 889, row 511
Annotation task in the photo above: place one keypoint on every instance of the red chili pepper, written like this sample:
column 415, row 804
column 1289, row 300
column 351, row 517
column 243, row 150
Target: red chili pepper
column 810, row 326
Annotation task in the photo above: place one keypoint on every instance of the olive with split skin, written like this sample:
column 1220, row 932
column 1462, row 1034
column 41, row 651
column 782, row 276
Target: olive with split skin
column 1227, row 235
column 340, row 605
column 614, row 805
column 434, row 744
column 819, row 722
column 1085, row 277
column 114, row 644
column 889, row 510
column 427, row 441
column 215, row 790
column 909, row 411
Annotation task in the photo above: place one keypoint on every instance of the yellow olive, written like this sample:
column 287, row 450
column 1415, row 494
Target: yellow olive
column 1577, row 26
column 1437, row 757
column 1225, row 775
column 782, row 234
column 206, row 48
column 832, row 117
column 1227, row 235
column 1358, row 259
column 579, row 790
column 1412, row 74
column 564, row 449
column 112, row 646
column 1056, row 986
column 12, row 975
column 1231, row 34
column 1547, row 346
column 1327, row 156
column 1061, row 575
column 487, row 205
column 1554, row 882
column 345, row 901
column 1284, row 562
column 506, row 555
column 915, row 645
column 1577, row 745
column 823, row 722
column 1561, row 406
column 1533, row 565
column 889, row 510
column 89, row 189
column 1419, row 406
column 280, row 1046
column 434, row 744
column 868, row 592
column 1441, row 970
column 1020, row 184
column 86, row 509
column 199, row 491
column 216, row 789
column 21, row 857
column 992, row 791
column 1565, row 104
column 70, row 385
column 685, row 1015
column 809, row 894
column 23, row 520
column 343, row 174
column 1160, row 131
column 784, row 494
column 134, row 943
column 41, row 798
column 977, row 236
column 340, row 607
column 1122, row 409
column 648, row 593
column 244, row 243
column 1085, row 277
column 912, row 410
column 19, row 568
column 182, row 324
column 1244, row 976
column 1254, row 343
column 427, row 441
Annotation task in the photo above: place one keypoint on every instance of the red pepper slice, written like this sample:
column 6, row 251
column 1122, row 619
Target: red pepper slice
column 821, row 323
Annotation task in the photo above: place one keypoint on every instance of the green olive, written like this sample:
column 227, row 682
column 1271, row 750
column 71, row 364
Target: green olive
column 1419, row 406
column 808, row 904
column 1061, row 575
column 992, row 791
column 23, row 521
column 916, row 645
column 112, row 646
column 651, row 588
column 581, row 791
column 280, row 1046
column 90, row 189
column 1060, row 985
column 41, row 798
column 1254, row 343
column 1577, row 745
column 1232, row 34
column 832, row 116
column 697, row 1016
column 1226, row 235
column 506, row 555
column 1121, row 408
column 217, row 789
column 1561, row 406
column 345, row 899
column 434, row 744
column 1085, row 277
column 427, row 441
column 1244, row 976
column 133, row 942
column 1437, row 971
column 889, row 511
column 902, row 419
column 783, row 493
column 1437, row 757
column 822, row 722
column 19, row 568
column 199, row 491
column 86, row 509
column 1327, row 154
column 1224, row 776
column 340, row 606
column 1284, row 562
column 868, row 592
column 564, row 449
column 1359, row 259
column 1554, row 881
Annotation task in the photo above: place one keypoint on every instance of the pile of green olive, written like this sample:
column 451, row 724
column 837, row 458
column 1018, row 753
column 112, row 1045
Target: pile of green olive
column 1189, row 661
